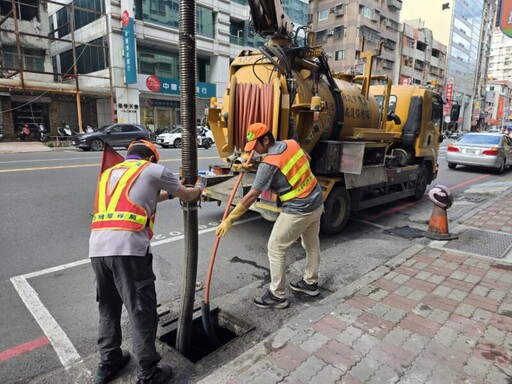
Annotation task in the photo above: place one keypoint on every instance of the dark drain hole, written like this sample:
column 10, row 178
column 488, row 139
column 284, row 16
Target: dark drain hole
column 227, row 328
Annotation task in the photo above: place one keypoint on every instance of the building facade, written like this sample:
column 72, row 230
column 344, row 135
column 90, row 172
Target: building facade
column 500, row 65
column 422, row 58
column 152, row 97
column 498, row 104
column 341, row 25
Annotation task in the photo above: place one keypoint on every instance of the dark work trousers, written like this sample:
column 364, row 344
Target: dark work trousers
column 127, row 280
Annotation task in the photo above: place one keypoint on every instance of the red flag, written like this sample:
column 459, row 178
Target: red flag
column 110, row 158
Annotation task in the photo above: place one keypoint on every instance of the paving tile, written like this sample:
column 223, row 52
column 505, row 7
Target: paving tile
column 288, row 358
column 365, row 344
column 328, row 374
column 338, row 354
column 308, row 369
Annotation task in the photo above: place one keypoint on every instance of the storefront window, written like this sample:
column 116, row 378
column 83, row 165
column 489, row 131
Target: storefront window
column 147, row 118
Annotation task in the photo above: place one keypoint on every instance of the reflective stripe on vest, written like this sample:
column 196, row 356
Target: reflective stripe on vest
column 115, row 211
column 294, row 165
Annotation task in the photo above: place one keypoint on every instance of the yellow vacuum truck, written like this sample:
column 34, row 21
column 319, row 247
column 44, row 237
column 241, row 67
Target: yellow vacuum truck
column 370, row 142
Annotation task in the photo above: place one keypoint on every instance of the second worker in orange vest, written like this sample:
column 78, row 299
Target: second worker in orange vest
column 286, row 171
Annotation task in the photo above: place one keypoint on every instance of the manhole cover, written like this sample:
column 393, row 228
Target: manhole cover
column 483, row 243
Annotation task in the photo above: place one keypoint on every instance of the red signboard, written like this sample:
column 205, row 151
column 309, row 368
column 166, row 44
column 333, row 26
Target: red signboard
column 501, row 107
column 449, row 96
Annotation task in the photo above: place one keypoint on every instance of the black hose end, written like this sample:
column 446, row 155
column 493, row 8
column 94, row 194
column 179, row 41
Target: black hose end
column 208, row 324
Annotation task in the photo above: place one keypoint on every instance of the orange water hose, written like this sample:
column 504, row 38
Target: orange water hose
column 217, row 238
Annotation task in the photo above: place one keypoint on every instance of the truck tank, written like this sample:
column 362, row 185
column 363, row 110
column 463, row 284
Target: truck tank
column 258, row 92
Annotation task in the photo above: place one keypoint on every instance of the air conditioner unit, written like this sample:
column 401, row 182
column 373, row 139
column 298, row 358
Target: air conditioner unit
column 338, row 10
column 330, row 32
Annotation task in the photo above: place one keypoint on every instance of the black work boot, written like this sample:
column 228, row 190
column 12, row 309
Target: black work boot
column 107, row 370
column 162, row 375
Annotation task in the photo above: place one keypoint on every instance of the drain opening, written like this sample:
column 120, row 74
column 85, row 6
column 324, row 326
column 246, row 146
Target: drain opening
column 227, row 328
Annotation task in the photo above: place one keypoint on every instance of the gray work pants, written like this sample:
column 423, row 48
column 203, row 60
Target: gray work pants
column 127, row 280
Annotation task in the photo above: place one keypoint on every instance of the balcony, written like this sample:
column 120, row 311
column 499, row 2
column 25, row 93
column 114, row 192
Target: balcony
column 395, row 5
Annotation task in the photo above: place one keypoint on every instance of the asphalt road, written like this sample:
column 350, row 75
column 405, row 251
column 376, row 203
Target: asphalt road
column 47, row 285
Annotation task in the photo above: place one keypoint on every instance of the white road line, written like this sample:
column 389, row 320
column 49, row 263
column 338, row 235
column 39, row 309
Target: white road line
column 67, row 353
column 62, row 345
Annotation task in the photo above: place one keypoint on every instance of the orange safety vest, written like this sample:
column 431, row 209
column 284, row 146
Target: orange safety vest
column 294, row 165
column 115, row 210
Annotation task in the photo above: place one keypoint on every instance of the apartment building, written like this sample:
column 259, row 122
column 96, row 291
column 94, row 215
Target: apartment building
column 500, row 65
column 422, row 58
column 340, row 26
column 498, row 102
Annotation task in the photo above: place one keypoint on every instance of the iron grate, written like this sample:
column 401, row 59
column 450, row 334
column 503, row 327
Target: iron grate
column 491, row 244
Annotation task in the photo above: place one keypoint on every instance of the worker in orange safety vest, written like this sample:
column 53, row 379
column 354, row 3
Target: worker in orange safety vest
column 285, row 170
column 120, row 253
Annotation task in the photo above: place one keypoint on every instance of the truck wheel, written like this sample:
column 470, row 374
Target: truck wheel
column 421, row 183
column 337, row 211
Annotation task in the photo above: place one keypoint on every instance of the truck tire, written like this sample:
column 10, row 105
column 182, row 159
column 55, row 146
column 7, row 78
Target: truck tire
column 421, row 183
column 337, row 211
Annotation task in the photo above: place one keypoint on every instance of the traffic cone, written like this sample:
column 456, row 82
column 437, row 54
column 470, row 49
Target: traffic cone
column 438, row 223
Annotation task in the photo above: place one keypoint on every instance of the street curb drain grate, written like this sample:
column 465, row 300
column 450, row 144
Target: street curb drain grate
column 491, row 244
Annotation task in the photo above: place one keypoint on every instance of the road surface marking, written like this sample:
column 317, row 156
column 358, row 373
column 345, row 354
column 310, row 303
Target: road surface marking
column 24, row 348
column 55, row 335
column 85, row 165
column 65, row 350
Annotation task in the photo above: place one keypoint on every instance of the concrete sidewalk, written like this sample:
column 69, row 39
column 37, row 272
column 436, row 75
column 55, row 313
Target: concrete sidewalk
column 436, row 313
column 23, row 147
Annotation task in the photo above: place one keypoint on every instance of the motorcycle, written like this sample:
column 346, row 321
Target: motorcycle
column 66, row 131
column 43, row 133
column 2, row 135
column 25, row 134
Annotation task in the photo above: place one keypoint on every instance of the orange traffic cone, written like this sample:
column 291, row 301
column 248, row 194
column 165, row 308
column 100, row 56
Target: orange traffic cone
column 438, row 223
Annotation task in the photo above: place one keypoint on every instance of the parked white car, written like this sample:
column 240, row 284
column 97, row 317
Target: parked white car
column 173, row 138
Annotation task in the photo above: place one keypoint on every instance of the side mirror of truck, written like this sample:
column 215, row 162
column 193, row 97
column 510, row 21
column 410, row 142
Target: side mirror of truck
column 454, row 112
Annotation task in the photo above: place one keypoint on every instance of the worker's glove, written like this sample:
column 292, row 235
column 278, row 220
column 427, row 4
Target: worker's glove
column 243, row 167
column 227, row 223
column 199, row 184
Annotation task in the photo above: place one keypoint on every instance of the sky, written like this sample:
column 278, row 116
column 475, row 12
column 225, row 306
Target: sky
column 430, row 11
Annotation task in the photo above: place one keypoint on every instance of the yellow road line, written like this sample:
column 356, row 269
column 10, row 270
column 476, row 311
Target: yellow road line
column 82, row 166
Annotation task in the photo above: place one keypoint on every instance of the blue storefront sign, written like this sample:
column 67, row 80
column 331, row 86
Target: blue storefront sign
column 130, row 59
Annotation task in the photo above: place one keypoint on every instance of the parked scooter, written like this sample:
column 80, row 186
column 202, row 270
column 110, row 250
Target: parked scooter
column 42, row 133
column 2, row 135
column 65, row 130
column 25, row 134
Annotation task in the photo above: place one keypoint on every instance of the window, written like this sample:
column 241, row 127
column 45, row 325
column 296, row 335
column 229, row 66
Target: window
column 323, row 15
column 339, row 55
column 157, row 7
column 33, row 59
column 91, row 58
column 166, row 12
column 161, row 63
column 339, row 32
column 129, row 128
column 321, row 36
column 366, row 12
column 26, row 10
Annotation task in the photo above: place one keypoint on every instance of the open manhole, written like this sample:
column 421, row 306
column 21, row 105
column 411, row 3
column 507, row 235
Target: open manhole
column 491, row 244
column 227, row 328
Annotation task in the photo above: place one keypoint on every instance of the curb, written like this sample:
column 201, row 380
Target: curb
column 279, row 338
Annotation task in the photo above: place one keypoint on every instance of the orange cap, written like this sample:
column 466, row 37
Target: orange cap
column 254, row 132
column 148, row 144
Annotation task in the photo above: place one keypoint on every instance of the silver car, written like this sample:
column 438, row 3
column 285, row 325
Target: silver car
column 489, row 150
